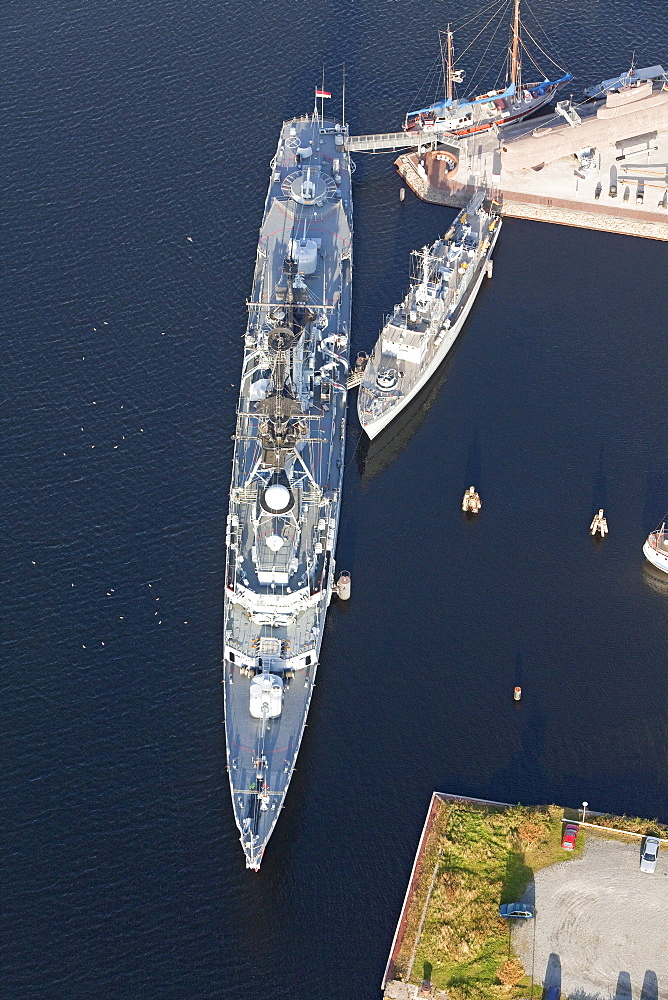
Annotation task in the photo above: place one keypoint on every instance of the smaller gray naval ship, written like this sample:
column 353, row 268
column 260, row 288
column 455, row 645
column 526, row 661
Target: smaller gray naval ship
column 287, row 469
column 417, row 336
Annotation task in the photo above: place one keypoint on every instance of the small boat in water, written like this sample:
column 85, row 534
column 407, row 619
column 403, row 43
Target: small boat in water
column 655, row 548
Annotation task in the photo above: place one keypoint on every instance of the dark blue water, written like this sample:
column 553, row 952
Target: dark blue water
column 127, row 128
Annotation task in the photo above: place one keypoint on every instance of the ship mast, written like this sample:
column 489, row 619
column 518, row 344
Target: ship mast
column 449, row 72
column 425, row 266
column 343, row 114
column 514, row 55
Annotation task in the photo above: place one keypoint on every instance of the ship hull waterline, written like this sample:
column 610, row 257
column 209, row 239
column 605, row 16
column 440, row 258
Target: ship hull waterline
column 658, row 559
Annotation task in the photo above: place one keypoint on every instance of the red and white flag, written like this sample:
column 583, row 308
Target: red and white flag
column 322, row 93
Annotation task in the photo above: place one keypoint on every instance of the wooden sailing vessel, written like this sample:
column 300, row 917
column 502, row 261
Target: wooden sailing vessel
column 493, row 108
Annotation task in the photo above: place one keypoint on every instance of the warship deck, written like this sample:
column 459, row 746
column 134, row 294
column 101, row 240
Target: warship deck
column 287, row 469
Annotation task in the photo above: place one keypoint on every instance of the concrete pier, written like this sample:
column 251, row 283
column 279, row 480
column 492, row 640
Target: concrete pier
column 535, row 169
column 577, row 905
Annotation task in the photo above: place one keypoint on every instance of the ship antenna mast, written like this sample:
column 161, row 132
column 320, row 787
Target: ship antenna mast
column 514, row 56
column 343, row 98
column 322, row 100
column 425, row 266
column 449, row 67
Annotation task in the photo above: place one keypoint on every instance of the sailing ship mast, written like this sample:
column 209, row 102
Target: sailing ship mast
column 515, row 70
column 449, row 67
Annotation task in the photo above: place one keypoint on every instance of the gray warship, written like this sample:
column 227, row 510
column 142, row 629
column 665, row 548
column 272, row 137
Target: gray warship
column 287, row 469
column 421, row 330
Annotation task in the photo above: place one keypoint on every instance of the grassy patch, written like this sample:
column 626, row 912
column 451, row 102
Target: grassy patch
column 488, row 855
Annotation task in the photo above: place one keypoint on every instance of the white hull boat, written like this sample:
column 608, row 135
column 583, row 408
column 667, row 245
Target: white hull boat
column 655, row 549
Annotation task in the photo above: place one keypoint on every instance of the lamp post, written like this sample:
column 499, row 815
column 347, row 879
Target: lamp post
column 584, row 810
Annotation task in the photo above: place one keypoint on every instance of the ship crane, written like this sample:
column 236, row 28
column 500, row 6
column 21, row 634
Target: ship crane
column 425, row 266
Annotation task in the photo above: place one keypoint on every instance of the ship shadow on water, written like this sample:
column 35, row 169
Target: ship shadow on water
column 655, row 579
column 599, row 495
column 656, row 490
column 375, row 456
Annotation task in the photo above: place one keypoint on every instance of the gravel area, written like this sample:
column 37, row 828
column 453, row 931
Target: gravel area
column 601, row 925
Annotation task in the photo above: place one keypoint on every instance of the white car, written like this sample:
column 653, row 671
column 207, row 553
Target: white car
column 649, row 854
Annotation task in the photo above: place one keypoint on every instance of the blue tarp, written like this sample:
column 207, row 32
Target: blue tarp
column 461, row 108
column 546, row 84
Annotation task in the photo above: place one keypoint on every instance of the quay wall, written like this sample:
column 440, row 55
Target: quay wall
column 438, row 799
column 399, row 990
column 565, row 213
column 538, row 208
column 452, row 193
column 398, row 938
column 538, row 175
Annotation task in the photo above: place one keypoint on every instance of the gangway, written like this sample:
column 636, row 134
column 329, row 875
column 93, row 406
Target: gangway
column 388, row 141
column 567, row 111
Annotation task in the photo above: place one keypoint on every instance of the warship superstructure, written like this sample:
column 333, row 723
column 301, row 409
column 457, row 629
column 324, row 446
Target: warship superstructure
column 417, row 336
column 287, row 468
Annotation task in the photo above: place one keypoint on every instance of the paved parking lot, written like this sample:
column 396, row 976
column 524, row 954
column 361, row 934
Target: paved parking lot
column 601, row 926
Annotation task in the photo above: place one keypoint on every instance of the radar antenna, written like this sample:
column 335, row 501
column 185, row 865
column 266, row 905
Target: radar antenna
column 281, row 414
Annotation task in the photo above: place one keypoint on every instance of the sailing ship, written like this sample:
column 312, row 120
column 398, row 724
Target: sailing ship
column 419, row 333
column 287, row 469
column 493, row 108
column 655, row 548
